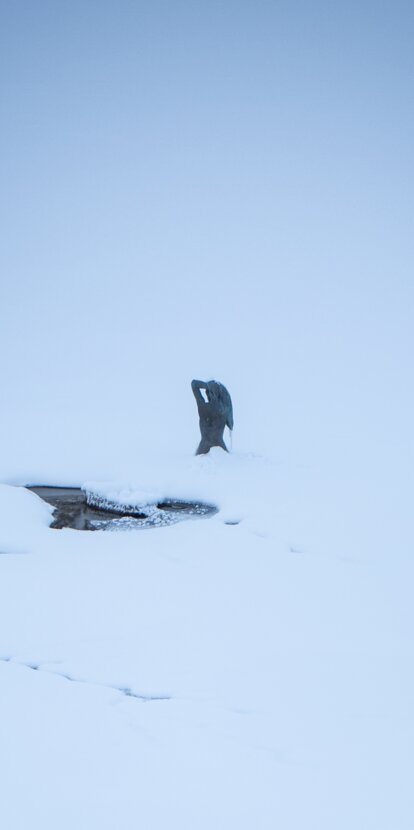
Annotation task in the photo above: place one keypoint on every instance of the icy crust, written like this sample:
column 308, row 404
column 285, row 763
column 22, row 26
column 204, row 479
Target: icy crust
column 154, row 518
column 121, row 501
column 143, row 514
column 144, row 511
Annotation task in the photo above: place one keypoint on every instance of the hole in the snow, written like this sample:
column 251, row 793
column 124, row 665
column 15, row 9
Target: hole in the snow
column 72, row 510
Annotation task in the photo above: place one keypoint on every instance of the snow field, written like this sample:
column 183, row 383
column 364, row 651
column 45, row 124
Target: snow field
column 205, row 675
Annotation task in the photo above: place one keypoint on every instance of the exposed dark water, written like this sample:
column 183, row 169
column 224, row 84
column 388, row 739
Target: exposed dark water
column 72, row 510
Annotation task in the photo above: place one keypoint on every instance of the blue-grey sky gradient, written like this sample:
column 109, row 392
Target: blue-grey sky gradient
column 220, row 188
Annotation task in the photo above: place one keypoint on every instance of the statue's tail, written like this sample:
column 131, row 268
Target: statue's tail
column 228, row 408
column 221, row 397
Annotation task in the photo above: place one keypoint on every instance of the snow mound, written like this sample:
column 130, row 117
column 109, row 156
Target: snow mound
column 23, row 515
column 237, row 485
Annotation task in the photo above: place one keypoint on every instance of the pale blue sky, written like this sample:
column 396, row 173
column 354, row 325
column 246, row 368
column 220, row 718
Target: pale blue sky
column 217, row 187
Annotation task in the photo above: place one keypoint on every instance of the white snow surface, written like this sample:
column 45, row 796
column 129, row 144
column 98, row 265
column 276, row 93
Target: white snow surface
column 208, row 675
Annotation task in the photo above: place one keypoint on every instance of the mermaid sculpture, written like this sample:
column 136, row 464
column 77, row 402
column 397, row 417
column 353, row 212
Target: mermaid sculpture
column 215, row 413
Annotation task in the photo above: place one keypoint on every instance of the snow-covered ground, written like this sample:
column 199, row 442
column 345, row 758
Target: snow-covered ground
column 208, row 674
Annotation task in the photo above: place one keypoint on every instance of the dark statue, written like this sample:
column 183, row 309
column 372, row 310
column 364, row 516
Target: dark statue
column 215, row 413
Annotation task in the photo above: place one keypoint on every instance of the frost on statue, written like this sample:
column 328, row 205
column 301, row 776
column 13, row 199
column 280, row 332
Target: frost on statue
column 215, row 413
